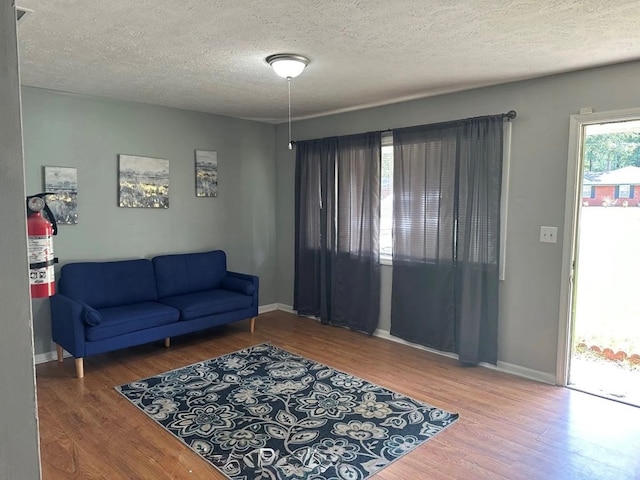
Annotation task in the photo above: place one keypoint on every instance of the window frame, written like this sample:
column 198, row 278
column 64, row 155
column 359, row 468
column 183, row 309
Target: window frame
column 386, row 141
column 627, row 191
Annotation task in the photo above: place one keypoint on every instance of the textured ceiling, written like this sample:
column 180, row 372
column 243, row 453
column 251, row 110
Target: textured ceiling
column 208, row 55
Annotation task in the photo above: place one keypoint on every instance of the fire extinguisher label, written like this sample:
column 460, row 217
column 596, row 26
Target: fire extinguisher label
column 41, row 259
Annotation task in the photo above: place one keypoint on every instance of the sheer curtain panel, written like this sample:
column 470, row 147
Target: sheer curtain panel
column 356, row 288
column 424, row 181
column 314, row 227
column 447, row 181
column 337, row 275
column 480, row 150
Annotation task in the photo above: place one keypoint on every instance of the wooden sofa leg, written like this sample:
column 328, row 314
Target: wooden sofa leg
column 167, row 342
column 60, row 353
column 253, row 324
column 79, row 367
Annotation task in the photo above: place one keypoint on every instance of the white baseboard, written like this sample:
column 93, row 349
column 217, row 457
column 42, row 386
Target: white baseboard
column 276, row 306
column 48, row 357
column 525, row 372
column 387, row 336
column 289, row 309
column 504, row 367
column 272, row 307
column 286, row 308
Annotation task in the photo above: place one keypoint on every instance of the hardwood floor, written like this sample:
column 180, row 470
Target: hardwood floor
column 509, row 428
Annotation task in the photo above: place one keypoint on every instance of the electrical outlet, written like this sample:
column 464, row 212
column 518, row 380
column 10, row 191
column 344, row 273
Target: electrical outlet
column 548, row 234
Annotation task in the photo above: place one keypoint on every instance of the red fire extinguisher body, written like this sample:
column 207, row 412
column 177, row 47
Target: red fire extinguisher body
column 41, row 259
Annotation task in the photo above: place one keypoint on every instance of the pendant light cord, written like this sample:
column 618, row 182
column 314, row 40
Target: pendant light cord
column 289, row 84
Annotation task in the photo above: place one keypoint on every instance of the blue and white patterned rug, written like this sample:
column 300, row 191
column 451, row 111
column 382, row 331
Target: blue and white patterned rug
column 265, row 413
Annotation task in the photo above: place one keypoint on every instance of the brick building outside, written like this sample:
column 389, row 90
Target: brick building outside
column 617, row 188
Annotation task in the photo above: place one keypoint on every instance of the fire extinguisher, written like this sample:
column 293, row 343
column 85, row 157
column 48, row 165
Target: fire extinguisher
column 40, row 231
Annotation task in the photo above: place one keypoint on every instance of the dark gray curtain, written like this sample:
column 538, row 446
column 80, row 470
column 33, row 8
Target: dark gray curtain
column 447, row 182
column 356, row 290
column 337, row 276
column 424, row 178
column 314, row 227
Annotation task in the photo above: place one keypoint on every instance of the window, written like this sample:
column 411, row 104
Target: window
column 587, row 191
column 624, row 191
column 386, row 199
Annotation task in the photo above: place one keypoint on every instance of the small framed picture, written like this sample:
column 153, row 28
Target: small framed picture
column 143, row 182
column 63, row 183
column 206, row 173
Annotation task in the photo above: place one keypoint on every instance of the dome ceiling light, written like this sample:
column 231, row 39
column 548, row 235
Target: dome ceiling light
column 288, row 66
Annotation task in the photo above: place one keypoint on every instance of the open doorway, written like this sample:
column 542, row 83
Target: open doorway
column 605, row 333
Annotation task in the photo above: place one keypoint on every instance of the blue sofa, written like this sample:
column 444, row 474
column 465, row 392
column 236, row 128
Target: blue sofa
column 104, row 306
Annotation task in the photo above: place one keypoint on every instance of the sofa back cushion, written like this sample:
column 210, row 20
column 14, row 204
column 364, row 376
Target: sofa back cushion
column 109, row 284
column 189, row 272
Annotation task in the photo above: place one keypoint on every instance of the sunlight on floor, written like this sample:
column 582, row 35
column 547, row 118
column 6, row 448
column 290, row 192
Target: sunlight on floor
column 607, row 379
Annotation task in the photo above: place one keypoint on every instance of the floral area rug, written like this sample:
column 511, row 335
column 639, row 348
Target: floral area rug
column 265, row 413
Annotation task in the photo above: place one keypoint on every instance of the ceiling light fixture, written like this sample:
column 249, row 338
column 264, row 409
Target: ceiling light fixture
column 289, row 66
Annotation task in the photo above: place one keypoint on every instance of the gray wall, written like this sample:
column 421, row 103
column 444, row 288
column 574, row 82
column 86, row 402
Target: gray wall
column 19, row 457
column 530, row 295
column 88, row 133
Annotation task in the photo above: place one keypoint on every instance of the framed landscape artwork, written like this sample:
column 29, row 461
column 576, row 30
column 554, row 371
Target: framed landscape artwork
column 143, row 182
column 206, row 173
column 63, row 183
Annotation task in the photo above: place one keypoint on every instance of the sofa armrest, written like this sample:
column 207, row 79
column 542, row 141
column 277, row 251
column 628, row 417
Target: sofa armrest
column 67, row 324
column 255, row 281
column 238, row 285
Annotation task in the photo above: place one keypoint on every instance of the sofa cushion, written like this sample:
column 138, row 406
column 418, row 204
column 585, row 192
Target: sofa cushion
column 238, row 285
column 189, row 272
column 109, row 284
column 210, row 302
column 90, row 315
column 131, row 318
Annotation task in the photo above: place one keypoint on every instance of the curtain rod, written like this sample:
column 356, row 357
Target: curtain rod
column 510, row 115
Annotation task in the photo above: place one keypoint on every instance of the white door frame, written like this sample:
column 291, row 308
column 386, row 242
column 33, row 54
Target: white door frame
column 571, row 218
